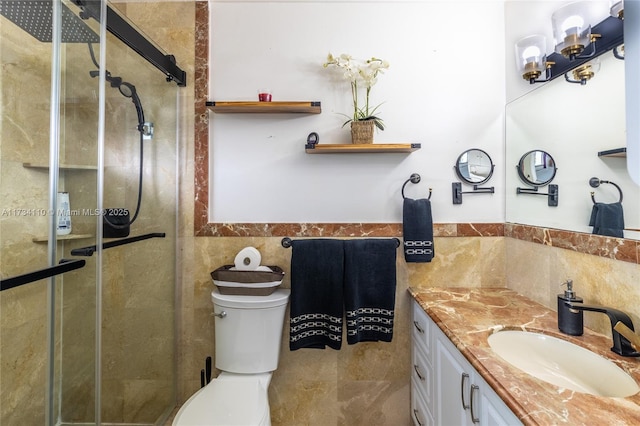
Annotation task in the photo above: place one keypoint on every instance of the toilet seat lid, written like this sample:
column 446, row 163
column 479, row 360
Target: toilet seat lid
column 225, row 403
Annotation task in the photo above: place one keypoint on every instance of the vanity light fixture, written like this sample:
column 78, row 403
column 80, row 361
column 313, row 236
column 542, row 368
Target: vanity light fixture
column 572, row 31
column 531, row 58
column 617, row 11
column 575, row 44
column 583, row 73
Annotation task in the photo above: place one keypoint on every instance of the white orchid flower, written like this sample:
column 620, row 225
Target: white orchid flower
column 360, row 74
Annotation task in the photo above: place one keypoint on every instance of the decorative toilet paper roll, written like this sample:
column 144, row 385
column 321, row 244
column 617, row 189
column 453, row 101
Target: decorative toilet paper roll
column 248, row 259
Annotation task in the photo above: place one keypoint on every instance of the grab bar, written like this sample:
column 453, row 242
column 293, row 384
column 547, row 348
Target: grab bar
column 65, row 265
column 288, row 242
column 88, row 251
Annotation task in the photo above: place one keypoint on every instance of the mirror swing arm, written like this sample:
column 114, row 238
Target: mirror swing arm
column 456, row 191
column 552, row 195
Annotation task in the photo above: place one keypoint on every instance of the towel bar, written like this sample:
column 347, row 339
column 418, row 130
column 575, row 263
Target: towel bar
column 594, row 182
column 287, row 242
column 414, row 178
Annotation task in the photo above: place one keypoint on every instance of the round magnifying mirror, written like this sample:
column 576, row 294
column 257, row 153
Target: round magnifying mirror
column 474, row 166
column 537, row 168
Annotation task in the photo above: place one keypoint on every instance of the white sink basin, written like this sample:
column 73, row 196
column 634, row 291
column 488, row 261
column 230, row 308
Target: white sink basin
column 562, row 363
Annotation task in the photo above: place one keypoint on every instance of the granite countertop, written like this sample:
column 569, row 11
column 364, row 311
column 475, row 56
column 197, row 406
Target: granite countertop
column 469, row 315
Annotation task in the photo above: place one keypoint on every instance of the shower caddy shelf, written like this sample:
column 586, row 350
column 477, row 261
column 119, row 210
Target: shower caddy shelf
column 62, row 166
column 240, row 107
column 67, row 237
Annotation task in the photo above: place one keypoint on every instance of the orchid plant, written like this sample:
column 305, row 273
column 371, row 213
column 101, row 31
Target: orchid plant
column 360, row 74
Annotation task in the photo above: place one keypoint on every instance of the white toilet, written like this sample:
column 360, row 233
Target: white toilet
column 248, row 340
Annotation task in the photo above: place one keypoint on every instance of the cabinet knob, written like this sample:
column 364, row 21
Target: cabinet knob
column 417, row 326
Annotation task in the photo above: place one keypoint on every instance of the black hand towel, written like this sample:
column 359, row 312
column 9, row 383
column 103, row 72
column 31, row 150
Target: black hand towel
column 607, row 219
column 417, row 229
column 317, row 267
column 369, row 289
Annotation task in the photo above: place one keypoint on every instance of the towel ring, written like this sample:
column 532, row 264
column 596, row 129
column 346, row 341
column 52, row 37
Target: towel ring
column 595, row 182
column 414, row 178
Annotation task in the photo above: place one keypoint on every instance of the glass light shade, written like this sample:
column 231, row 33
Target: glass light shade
column 571, row 29
column 617, row 9
column 531, row 56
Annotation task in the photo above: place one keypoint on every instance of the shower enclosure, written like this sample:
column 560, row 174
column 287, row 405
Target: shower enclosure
column 88, row 129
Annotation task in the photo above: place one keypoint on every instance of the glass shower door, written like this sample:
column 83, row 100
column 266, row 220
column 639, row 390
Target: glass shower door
column 42, row 110
column 85, row 126
column 138, row 279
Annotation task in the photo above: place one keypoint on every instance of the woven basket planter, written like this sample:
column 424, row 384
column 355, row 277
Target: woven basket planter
column 362, row 131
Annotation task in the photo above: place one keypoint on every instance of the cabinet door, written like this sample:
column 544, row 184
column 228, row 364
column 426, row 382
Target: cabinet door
column 494, row 411
column 453, row 386
column 422, row 330
column 420, row 414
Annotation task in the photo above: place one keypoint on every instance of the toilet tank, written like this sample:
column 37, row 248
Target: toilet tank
column 248, row 331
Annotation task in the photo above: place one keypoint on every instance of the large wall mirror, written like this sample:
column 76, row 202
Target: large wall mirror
column 575, row 123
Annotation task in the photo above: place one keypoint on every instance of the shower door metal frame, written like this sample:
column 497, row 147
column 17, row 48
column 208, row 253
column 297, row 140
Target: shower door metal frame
column 125, row 32
column 54, row 164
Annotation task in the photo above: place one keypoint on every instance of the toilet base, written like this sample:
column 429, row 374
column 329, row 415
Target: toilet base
column 228, row 400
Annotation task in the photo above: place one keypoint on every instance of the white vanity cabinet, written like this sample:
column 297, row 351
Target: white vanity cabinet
column 445, row 388
column 422, row 373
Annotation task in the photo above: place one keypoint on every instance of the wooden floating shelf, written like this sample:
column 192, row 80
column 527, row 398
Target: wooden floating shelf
column 618, row 152
column 63, row 238
column 235, row 107
column 361, row 148
column 62, row 166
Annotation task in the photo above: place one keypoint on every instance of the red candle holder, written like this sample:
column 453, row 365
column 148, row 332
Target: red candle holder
column 264, row 95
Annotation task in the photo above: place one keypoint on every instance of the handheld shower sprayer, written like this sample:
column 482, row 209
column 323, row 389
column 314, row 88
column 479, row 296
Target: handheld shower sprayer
column 118, row 224
column 127, row 90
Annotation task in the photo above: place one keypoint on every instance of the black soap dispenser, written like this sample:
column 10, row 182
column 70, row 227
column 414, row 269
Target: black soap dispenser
column 570, row 321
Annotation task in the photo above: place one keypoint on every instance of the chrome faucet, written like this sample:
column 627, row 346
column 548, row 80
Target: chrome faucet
column 621, row 345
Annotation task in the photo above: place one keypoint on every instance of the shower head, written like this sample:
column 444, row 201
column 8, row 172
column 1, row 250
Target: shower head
column 35, row 17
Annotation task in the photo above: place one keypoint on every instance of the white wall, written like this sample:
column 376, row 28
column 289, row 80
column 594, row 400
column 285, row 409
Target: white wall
column 445, row 89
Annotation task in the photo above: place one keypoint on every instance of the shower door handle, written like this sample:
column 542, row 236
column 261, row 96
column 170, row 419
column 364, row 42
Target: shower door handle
column 63, row 266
